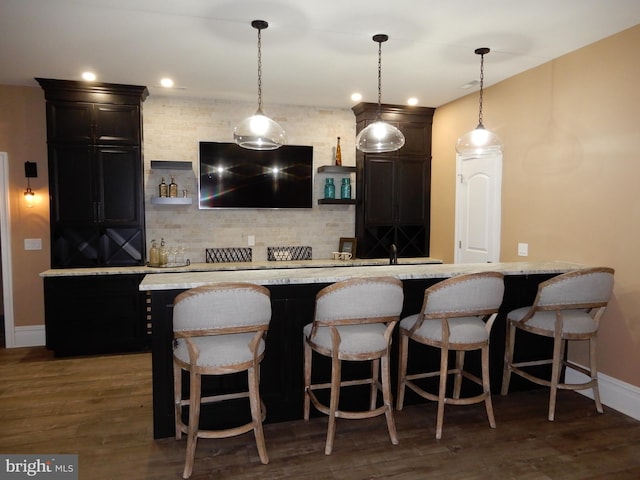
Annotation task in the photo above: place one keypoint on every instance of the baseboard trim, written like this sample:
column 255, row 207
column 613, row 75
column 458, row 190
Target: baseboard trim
column 614, row 393
column 30, row 336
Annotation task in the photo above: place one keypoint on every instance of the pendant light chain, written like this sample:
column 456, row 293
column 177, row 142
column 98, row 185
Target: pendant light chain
column 260, row 69
column 481, row 88
column 379, row 76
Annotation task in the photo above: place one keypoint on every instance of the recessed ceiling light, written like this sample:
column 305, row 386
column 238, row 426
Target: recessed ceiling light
column 412, row 101
column 356, row 97
column 166, row 82
column 88, row 76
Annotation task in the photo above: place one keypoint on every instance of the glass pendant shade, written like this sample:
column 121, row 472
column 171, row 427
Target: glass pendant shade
column 379, row 137
column 479, row 142
column 259, row 132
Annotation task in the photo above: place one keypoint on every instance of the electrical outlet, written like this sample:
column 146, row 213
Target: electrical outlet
column 523, row 249
column 251, row 240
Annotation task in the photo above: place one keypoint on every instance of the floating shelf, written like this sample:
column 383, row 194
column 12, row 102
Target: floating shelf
column 336, row 201
column 172, row 200
column 170, row 165
column 336, row 169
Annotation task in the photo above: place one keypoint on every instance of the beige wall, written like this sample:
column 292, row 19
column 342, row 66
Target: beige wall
column 23, row 138
column 570, row 131
column 570, row 196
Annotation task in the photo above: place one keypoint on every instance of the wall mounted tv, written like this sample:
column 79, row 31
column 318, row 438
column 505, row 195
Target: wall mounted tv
column 235, row 177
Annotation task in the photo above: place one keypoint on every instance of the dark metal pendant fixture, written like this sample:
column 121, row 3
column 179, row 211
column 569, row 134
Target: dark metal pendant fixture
column 379, row 136
column 259, row 132
column 479, row 141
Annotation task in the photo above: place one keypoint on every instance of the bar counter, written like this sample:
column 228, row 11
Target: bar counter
column 293, row 291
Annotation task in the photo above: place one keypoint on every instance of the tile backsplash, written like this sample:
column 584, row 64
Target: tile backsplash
column 173, row 128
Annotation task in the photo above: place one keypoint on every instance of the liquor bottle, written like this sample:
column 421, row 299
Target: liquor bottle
column 173, row 187
column 338, row 154
column 162, row 188
column 154, row 255
column 163, row 254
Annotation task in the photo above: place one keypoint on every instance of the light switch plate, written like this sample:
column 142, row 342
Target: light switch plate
column 523, row 249
column 33, row 244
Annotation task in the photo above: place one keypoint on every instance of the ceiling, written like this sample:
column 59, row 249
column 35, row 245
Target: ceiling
column 315, row 52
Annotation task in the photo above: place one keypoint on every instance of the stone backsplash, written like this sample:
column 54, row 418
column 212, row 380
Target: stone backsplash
column 173, row 128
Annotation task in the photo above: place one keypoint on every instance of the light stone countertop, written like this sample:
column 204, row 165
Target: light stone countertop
column 235, row 266
column 292, row 275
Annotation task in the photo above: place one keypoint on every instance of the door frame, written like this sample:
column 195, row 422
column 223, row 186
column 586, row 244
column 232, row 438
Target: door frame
column 5, row 241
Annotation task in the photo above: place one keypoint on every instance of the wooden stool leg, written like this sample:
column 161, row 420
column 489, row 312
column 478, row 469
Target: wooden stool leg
column 387, row 398
column 556, row 367
column 194, row 420
column 336, row 372
column 594, row 373
column 177, row 399
column 508, row 357
column 307, row 379
column 256, row 413
column 442, row 390
column 486, row 385
column 375, row 374
column 457, row 383
column 403, row 350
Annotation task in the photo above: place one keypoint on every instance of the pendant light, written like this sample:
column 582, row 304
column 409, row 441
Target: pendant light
column 379, row 136
column 479, row 141
column 259, row 132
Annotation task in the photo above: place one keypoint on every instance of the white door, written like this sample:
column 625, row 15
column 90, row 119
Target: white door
column 478, row 208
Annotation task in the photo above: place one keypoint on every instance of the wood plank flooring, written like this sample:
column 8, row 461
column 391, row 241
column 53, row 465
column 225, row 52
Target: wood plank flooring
column 100, row 408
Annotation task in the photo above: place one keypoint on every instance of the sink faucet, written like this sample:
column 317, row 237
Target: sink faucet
column 393, row 254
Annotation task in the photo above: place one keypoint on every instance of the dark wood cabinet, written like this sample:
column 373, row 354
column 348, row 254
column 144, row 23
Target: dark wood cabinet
column 394, row 207
column 95, row 314
column 94, row 136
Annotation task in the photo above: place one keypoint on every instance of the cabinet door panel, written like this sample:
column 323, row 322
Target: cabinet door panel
column 69, row 122
column 119, row 190
column 71, row 176
column 379, row 191
column 412, row 190
column 117, row 124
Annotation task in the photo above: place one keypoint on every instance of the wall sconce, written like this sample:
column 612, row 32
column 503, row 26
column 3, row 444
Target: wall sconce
column 30, row 171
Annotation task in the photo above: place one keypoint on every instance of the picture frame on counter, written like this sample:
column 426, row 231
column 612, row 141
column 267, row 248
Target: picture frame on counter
column 348, row 244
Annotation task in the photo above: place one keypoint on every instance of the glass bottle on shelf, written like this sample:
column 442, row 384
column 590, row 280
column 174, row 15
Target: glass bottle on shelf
column 154, row 255
column 345, row 189
column 162, row 188
column 173, row 187
column 338, row 154
column 163, row 254
column 329, row 188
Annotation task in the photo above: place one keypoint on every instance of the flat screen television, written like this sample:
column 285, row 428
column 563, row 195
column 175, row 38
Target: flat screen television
column 235, row 177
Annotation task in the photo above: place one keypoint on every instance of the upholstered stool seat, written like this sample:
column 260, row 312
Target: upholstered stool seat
column 457, row 316
column 354, row 320
column 219, row 329
column 567, row 307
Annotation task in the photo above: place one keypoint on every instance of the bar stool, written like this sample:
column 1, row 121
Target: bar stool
column 219, row 329
column 566, row 307
column 457, row 315
column 354, row 320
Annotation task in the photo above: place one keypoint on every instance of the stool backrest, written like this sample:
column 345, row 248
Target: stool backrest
column 220, row 306
column 360, row 300
column 588, row 288
column 474, row 294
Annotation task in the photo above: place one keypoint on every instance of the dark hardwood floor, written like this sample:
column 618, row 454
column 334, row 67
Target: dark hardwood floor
column 100, row 408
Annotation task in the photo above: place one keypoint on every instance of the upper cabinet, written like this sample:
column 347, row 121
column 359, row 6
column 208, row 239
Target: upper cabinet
column 94, row 138
column 394, row 206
